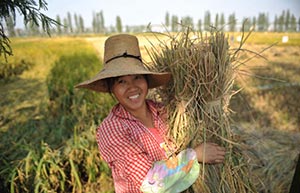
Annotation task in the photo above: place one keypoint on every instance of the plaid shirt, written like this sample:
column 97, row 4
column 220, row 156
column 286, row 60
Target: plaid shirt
column 129, row 147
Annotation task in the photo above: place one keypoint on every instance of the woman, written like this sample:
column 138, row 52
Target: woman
column 132, row 138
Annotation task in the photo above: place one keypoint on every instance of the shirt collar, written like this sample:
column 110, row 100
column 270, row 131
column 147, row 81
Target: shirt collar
column 120, row 111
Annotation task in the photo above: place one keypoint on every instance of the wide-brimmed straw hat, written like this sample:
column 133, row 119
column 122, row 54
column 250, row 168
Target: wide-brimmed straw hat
column 122, row 57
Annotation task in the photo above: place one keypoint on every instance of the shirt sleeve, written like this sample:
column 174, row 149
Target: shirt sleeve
column 173, row 175
column 125, row 156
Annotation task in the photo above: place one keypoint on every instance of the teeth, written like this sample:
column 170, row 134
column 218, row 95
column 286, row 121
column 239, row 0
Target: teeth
column 134, row 96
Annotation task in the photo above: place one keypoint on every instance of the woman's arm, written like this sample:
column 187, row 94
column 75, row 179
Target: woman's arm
column 178, row 173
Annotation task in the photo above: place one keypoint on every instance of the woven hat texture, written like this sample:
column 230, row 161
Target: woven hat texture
column 122, row 57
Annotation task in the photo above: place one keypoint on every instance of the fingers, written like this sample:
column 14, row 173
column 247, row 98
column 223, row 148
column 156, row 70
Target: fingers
column 216, row 153
column 218, row 161
column 210, row 153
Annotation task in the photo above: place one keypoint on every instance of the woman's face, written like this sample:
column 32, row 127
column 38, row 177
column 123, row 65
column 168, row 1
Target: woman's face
column 131, row 92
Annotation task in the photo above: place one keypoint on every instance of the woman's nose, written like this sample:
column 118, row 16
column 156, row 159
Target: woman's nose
column 131, row 84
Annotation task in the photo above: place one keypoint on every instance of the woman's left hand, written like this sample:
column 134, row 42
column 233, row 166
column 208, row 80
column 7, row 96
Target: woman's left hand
column 210, row 153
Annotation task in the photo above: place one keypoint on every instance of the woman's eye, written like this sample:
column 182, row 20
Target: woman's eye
column 121, row 81
column 139, row 77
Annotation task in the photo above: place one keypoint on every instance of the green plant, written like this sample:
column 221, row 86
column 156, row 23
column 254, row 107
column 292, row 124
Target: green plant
column 9, row 70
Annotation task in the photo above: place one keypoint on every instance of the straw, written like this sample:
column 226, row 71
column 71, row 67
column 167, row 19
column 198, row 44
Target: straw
column 203, row 71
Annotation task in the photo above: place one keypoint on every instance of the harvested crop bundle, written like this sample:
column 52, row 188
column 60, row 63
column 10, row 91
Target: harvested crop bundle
column 203, row 70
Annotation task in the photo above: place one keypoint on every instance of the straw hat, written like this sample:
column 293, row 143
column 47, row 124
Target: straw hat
column 122, row 57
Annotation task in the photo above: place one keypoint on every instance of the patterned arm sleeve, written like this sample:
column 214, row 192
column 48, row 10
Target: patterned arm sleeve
column 173, row 175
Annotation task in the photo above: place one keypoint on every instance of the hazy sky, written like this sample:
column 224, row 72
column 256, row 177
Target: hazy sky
column 142, row 12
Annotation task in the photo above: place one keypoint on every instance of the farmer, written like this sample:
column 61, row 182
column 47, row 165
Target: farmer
column 132, row 138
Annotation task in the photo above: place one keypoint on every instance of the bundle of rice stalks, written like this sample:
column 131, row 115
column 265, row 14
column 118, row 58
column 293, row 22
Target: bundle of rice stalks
column 203, row 72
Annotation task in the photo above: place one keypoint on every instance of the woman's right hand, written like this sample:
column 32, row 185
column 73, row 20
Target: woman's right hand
column 210, row 153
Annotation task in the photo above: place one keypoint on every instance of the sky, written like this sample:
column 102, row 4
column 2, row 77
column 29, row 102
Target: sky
column 143, row 12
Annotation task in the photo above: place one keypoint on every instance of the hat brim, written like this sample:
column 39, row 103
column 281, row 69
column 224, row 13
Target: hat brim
column 126, row 66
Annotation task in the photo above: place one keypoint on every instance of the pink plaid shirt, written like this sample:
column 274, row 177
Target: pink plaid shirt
column 129, row 147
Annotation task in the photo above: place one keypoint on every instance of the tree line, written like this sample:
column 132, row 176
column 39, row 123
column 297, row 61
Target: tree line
column 74, row 24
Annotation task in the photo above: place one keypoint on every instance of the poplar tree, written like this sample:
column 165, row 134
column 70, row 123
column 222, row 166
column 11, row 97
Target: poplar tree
column 65, row 23
column 254, row 21
column 70, row 25
column 32, row 29
column 76, row 30
column 281, row 22
column 275, row 23
column 207, row 21
column 293, row 26
column 118, row 24
column 287, row 20
column 102, row 23
column 222, row 21
column 246, row 24
column 98, row 22
column 217, row 21
column 59, row 30
column 232, row 22
column 81, row 25
column 167, row 19
column 94, row 23
column 262, row 22
column 10, row 24
column 174, row 24
column 187, row 21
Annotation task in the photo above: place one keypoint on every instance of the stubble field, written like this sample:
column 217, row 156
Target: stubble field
column 47, row 128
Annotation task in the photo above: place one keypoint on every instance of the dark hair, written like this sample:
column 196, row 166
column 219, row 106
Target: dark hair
column 111, row 81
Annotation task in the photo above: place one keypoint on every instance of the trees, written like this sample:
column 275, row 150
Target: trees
column 247, row 24
column 10, row 24
column 76, row 23
column 285, row 22
column 167, row 19
column 287, row 18
column 35, row 21
column 59, row 30
column 262, row 22
column 217, row 21
column 174, row 23
column 222, row 20
column 293, row 26
column 70, row 25
column 81, row 24
column 98, row 23
column 207, row 21
column 232, row 22
column 119, row 24
column 187, row 21
column 31, row 12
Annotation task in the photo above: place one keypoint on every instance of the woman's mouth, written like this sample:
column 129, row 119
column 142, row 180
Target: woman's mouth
column 134, row 96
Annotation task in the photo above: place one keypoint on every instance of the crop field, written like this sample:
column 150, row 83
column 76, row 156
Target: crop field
column 47, row 127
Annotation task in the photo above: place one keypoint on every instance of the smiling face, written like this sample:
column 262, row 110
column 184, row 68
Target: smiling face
column 131, row 92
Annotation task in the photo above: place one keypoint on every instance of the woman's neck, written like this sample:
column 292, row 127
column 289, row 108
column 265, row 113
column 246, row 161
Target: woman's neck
column 145, row 117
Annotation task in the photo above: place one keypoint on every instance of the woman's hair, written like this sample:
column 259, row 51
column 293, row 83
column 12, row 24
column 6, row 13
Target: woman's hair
column 111, row 81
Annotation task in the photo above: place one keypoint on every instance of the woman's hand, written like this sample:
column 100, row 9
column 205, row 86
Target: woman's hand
column 210, row 153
